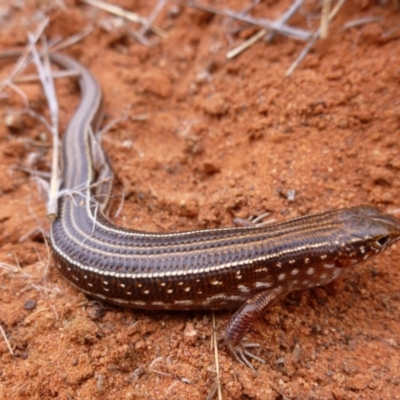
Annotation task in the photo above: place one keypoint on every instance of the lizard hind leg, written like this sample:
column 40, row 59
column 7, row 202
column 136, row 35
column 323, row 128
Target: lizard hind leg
column 242, row 320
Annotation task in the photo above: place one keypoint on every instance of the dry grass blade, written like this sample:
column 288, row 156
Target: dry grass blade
column 128, row 15
column 295, row 33
column 46, row 79
column 218, row 374
column 263, row 32
column 6, row 340
column 22, row 61
column 313, row 40
column 361, row 21
column 246, row 44
column 326, row 6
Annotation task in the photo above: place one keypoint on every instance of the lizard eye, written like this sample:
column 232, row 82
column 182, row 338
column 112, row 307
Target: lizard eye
column 381, row 242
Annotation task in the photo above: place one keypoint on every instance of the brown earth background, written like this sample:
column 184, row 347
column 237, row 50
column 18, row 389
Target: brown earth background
column 206, row 140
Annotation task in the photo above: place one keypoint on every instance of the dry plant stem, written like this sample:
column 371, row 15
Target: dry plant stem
column 20, row 64
column 282, row 21
column 6, row 340
column 147, row 25
column 129, row 15
column 286, row 17
column 312, row 41
column 56, row 75
column 218, row 377
column 326, row 6
column 285, row 30
column 69, row 41
column 44, row 71
column 246, row 44
column 360, row 21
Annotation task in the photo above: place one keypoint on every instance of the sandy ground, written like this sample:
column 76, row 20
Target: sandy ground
column 207, row 140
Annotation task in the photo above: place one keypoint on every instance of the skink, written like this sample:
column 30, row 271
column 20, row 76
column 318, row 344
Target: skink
column 244, row 268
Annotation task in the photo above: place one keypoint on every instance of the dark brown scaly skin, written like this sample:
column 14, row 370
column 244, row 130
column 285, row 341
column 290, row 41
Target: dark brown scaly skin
column 247, row 268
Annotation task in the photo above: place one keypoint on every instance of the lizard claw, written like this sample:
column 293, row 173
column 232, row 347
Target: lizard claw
column 241, row 353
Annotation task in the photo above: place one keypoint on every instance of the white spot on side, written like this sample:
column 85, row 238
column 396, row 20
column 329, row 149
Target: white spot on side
column 169, row 291
column 187, row 289
column 281, row 277
column 106, row 290
column 362, row 250
column 306, row 260
column 238, row 276
column 279, row 264
column 365, row 257
column 162, row 283
column 323, row 256
column 295, row 271
column 263, row 285
column 128, row 293
column 183, row 302
column 158, row 303
column 336, row 273
column 90, row 284
column 122, row 285
column 137, row 303
column 243, row 288
column 329, row 266
column 310, row 271
column 292, row 261
column 216, row 283
column 105, row 282
column 146, row 291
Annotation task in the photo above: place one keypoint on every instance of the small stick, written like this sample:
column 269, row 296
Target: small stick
column 325, row 18
column 56, row 74
column 218, row 377
column 22, row 60
column 313, row 39
column 285, row 30
column 129, row 15
column 286, row 17
column 69, row 41
column 45, row 75
column 6, row 340
column 360, row 21
column 147, row 25
column 246, row 44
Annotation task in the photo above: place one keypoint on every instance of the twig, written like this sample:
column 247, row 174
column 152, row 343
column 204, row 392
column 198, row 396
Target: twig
column 312, row 41
column 218, row 375
column 69, row 41
column 129, row 15
column 56, row 75
column 360, row 21
column 286, row 17
column 246, row 44
column 147, row 25
column 281, row 22
column 22, row 60
column 285, row 30
column 6, row 340
column 45, row 75
column 326, row 5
